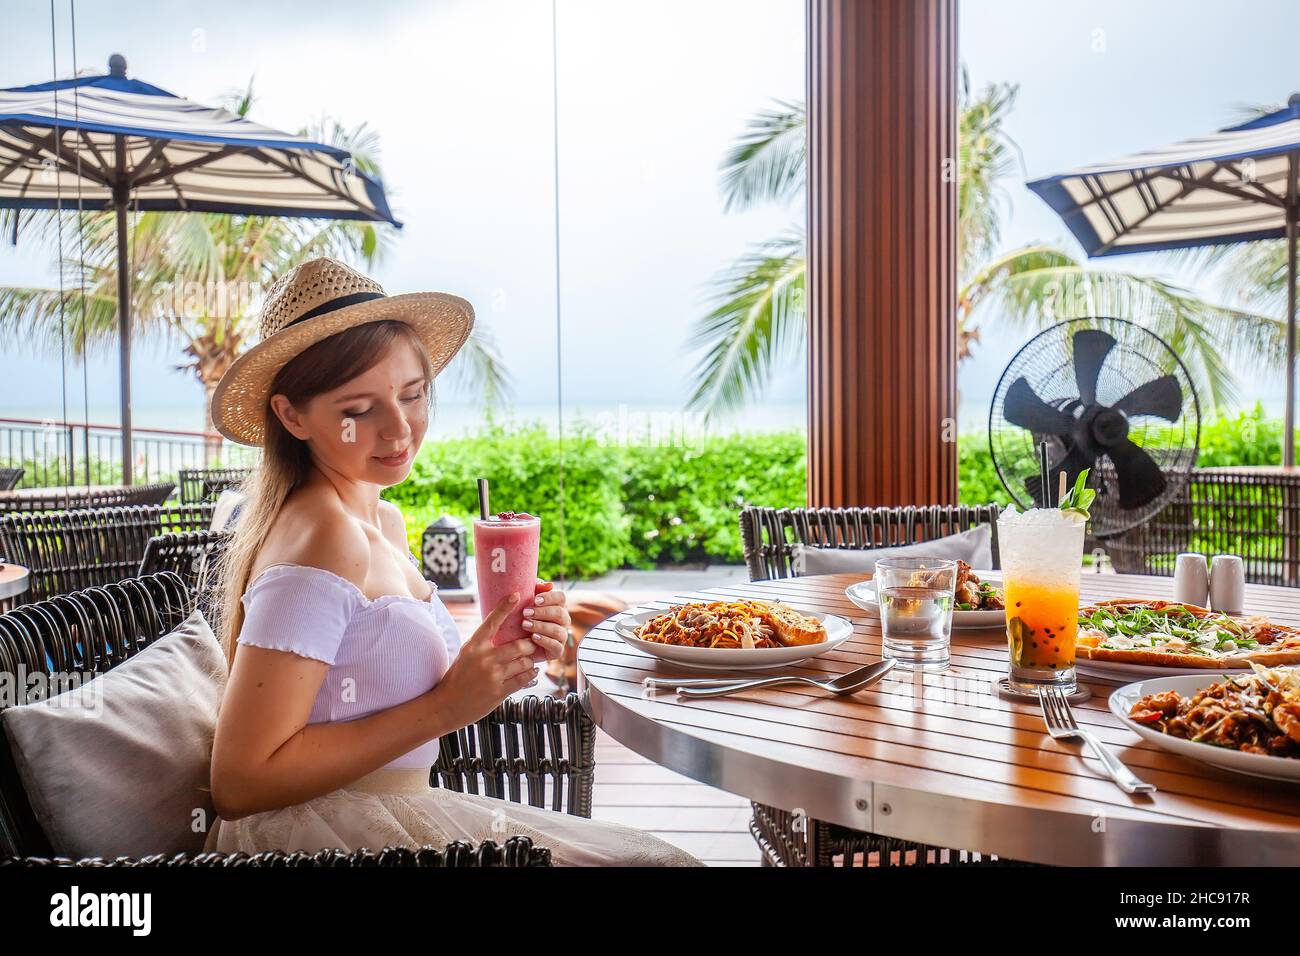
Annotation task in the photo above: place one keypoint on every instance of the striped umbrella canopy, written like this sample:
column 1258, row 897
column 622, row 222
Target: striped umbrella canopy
column 1237, row 185
column 106, row 142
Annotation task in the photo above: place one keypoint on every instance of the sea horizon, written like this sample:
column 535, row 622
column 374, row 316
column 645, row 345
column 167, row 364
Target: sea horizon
column 630, row 421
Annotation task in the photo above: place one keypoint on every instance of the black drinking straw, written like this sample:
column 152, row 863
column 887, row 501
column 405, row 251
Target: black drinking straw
column 1046, row 474
column 483, row 498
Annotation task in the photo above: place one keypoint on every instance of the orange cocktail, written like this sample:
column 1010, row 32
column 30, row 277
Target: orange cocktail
column 1041, row 630
column 1041, row 552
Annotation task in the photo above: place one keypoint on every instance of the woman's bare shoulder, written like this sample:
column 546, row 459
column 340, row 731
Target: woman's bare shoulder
column 312, row 529
column 393, row 523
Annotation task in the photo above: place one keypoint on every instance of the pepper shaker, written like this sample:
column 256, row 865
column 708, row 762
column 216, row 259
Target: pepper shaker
column 1192, row 580
column 1227, row 584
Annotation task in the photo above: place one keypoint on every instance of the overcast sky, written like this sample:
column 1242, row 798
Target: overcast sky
column 650, row 97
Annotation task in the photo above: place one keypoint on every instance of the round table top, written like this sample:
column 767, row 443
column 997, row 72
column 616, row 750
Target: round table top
column 14, row 579
column 940, row 758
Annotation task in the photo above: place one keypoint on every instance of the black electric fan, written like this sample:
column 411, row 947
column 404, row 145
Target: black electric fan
column 1107, row 395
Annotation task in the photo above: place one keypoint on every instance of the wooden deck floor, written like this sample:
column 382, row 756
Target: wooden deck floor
column 710, row 824
column 713, row 825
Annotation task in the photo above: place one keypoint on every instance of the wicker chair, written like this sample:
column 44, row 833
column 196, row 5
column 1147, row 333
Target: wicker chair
column 206, row 484
column 96, row 629
column 1251, row 512
column 61, row 499
column 516, row 852
column 769, row 536
column 9, row 478
column 69, row 550
column 193, row 555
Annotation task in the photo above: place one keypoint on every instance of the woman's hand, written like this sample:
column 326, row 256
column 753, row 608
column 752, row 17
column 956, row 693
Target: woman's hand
column 482, row 675
column 548, row 622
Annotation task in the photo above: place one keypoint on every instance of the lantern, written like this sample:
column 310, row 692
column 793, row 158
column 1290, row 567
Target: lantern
column 445, row 562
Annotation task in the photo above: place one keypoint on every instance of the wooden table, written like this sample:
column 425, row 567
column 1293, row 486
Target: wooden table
column 14, row 581
column 939, row 758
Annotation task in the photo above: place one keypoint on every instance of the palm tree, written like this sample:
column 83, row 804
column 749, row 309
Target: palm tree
column 1249, row 272
column 759, row 320
column 197, row 277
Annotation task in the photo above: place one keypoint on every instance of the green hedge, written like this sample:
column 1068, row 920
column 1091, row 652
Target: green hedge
column 642, row 505
column 1248, row 438
column 47, row 473
column 684, row 503
column 523, row 466
column 977, row 479
column 623, row 505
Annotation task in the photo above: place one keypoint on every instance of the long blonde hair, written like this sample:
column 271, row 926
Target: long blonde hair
column 286, row 461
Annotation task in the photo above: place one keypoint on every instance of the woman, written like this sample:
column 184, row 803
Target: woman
column 345, row 668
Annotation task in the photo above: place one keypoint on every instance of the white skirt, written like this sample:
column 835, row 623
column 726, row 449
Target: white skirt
column 397, row 807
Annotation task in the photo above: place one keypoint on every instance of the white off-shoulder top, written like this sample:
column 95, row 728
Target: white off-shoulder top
column 381, row 652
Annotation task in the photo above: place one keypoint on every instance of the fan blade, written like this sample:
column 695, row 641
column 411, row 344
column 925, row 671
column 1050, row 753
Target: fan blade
column 1073, row 463
column 1140, row 479
column 1162, row 397
column 1024, row 408
column 1091, row 346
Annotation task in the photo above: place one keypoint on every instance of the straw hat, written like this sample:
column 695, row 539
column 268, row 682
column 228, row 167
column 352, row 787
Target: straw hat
column 317, row 299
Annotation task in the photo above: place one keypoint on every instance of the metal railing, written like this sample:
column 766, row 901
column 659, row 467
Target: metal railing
column 54, row 454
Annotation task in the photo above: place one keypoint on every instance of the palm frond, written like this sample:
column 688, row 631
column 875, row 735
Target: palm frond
column 1245, row 112
column 479, row 365
column 758, row 321
column 15, row 224
column 761, row 309
column 239, row 101
column 985, row 157
column 992, row 277
column 1252, row 274
column 1033, row 292
column 366, row 242
column 48, row 323
column 768, row 161
column 1201, row 260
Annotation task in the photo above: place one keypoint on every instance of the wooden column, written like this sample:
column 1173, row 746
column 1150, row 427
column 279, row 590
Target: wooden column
column 882, row 252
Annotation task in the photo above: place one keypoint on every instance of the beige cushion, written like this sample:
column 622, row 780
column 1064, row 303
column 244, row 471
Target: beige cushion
column 226, row 510
column 120, row 765
column 974, row 546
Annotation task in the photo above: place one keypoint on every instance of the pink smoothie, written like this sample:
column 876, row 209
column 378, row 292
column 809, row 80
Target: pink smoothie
column 506, row 553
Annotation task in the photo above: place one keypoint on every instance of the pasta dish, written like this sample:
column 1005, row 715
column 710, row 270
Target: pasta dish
column 732, row 624
column 1255, row 713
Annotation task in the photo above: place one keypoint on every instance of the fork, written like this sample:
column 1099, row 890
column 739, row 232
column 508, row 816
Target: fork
column 1061, row 725
column 841, row 686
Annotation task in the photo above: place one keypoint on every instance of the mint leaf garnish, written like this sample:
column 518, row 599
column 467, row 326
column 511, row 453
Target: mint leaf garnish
column 1080, row 497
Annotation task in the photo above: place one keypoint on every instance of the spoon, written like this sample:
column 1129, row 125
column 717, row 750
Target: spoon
column 840, row 686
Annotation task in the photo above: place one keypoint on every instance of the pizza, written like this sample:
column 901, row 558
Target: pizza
column 1167, row 634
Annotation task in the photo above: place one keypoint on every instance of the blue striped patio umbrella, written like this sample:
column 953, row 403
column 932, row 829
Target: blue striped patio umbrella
column 110, row 141
column 1240, row 184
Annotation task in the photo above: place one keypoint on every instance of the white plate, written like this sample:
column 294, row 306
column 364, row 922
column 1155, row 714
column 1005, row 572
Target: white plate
column 1256, row 765
column 1119, row 671
column 863, row 594
column 838, row 630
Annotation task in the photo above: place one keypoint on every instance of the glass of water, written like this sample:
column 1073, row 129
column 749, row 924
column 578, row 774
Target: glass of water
column 916, row 597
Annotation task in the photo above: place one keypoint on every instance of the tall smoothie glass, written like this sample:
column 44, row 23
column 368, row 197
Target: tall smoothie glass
column 1041, row 553
column 505, row 550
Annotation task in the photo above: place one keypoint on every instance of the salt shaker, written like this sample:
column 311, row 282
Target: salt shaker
column 1192, row 580
column 1227, row 584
